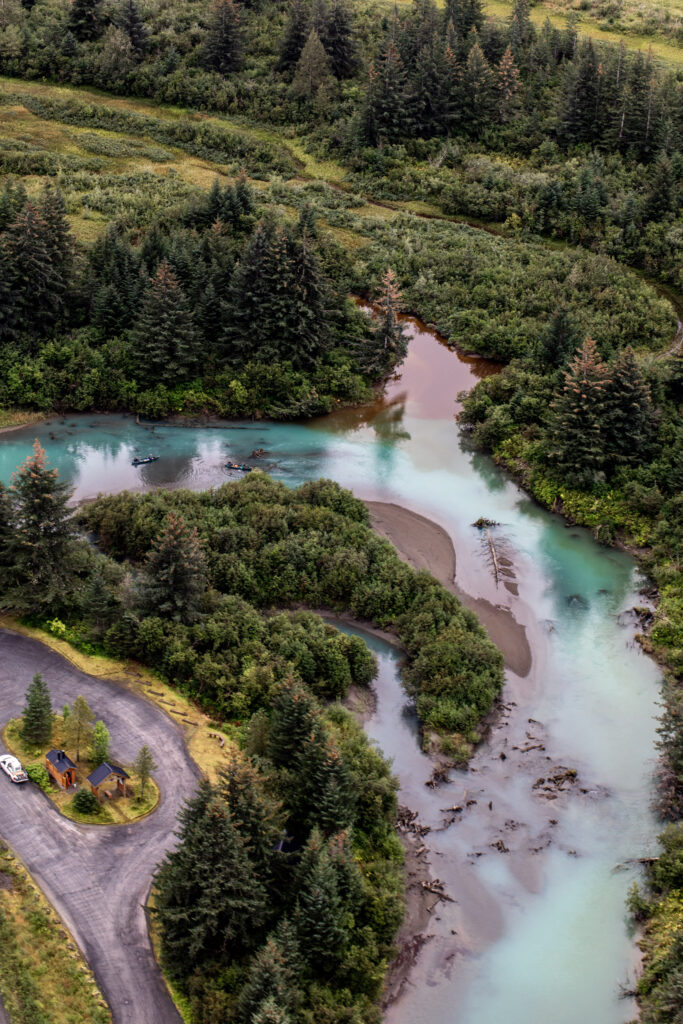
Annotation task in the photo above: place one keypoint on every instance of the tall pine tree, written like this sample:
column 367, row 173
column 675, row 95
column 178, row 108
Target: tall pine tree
column 174, row 579
column 210, row 902
column 578, row 418
column 39, row 575
column 37, row 717
column 297, row 30
column 164, row 335
column 224, row 47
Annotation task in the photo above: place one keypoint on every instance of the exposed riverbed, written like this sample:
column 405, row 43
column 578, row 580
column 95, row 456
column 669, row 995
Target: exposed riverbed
column 537, row 932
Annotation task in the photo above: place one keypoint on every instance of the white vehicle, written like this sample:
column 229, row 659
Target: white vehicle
column 12, row 767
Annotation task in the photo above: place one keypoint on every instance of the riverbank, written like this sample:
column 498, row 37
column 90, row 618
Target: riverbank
column 424, row 544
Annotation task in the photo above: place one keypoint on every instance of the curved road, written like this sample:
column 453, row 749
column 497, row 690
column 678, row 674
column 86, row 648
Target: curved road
column 98, row 877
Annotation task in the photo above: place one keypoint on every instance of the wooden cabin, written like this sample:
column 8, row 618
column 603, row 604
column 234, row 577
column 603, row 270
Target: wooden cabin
column 100, row 780
column 61, row 768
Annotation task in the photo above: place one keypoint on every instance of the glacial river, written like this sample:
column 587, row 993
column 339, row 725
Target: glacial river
column 538, row 872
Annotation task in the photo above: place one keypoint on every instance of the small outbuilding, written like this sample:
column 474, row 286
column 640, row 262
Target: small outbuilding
column 61, row 768
column 105, row 774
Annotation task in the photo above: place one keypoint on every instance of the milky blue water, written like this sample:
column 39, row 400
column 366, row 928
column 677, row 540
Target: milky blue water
column 534, row 937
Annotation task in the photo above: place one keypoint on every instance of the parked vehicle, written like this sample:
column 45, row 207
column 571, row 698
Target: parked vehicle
column 12, row 767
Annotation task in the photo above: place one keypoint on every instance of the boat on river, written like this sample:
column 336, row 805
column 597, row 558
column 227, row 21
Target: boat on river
column 241, row 467
column 143, row 462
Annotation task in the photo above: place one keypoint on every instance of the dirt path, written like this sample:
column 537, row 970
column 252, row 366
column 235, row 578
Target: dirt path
column 98, row 877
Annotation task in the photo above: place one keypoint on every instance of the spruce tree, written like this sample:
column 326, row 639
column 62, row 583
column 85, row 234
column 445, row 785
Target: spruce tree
column 85, row 19
column 274, row 974
column 479, row 92
column 40, row 572
column 296, row 33
column 224, row 47
column 580, row 115
column 132, row 24
column 387, row 114
column 324, row 795
column 78, row 727
column 319, row 916
column 37, row 717
column 175, row 575
column 34, row 287
column 164, row 335
column 255, row 814
column 630, row 422
column 390, row 333
column 340, row 41
column 578, row 418
column 58, row 237
column 312, row 69
column 560, row 340
column 521, row 30
column 464, row 15
column 508, row 84
column 270, row 1012
column 210, row 903
column 292, row 718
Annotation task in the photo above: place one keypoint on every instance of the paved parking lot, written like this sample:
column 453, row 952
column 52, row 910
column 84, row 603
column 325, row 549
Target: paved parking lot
column 98, row 877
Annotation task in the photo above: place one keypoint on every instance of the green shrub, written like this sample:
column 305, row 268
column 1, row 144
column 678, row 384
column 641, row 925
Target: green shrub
column 38, row 773
column 86, row 802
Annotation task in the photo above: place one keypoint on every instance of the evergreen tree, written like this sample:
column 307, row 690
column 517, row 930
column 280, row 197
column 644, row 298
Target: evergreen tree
column 164, row 335
column 254, row 813
column 431, row 91
column 323, row 795
column 114, row 268
column 37, row 717
column 464, row 15
column 39, row 572
column 578, row 418
column 270, row 1012
column 132, row 24
column 387, row 115
column 224, row 48
column 279, row 299
column 660, row 199
column 312, row 69
column 560, row 341
column 479, row 92
column 100, row 743
column 297, row 31
column 210, row 903
column 391, row 340
column 33, row 287
column 143, row 766
column 340, row 41
column 175, row 577
column 319, row 915
column 521, row 30
column 84, row 19
column 508, row 84
column 78, row 726
column 630, row 422
column 274, row 974
column 292, row 718
column 58, row 237
column 580, row 117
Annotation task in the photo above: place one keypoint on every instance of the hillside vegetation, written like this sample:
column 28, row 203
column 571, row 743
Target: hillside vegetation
column 190, row 193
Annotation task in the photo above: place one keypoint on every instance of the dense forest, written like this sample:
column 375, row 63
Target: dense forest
column 297, row 837
column 515, row 182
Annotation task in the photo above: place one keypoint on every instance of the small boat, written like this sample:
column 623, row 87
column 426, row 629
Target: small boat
column 241, row 466
column 143, row 462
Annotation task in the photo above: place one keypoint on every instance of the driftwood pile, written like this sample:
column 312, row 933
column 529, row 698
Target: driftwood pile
column 406, row 821
column 549, row 786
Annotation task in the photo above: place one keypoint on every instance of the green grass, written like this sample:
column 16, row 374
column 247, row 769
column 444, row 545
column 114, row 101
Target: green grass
column 43, row 977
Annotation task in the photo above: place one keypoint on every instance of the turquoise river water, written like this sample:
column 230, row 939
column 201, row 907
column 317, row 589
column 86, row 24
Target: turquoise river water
column 537, row 930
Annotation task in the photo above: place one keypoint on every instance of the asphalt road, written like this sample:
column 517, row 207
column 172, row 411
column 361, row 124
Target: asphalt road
column 96, row 876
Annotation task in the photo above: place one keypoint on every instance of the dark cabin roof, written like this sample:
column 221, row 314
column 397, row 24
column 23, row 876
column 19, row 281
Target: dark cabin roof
column 59, row 760
column 104, row 770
